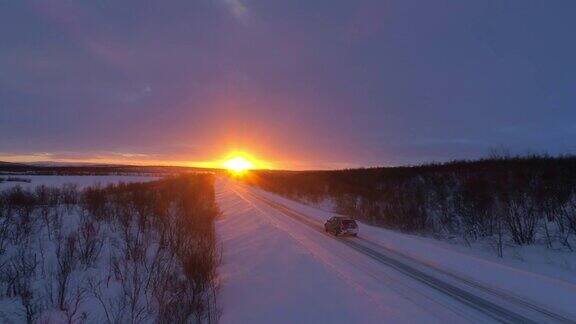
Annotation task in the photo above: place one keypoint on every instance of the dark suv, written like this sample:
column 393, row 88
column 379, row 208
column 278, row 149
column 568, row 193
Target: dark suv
column 341, row 225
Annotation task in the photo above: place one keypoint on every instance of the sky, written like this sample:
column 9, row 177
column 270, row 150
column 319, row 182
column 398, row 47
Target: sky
column 299, row 84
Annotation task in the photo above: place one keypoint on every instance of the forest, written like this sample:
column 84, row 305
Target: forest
column 507, row 200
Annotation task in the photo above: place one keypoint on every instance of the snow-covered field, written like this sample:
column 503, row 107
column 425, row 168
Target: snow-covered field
column 80, row 181
column 278, row 267
column 68, row 256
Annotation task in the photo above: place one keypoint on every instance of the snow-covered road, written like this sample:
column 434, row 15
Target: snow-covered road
column 280, row 267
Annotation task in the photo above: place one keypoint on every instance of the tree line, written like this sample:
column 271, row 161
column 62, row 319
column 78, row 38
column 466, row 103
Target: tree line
column 520, row 200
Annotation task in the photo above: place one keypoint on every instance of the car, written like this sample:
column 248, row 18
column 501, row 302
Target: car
column 340, row 225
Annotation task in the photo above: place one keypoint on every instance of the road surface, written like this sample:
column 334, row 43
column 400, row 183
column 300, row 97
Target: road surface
column 280, row 266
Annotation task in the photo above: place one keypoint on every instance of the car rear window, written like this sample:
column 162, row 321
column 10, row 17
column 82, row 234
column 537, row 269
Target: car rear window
column 348, row 222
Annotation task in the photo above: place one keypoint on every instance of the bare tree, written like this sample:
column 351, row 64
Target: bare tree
column 17, row 276
column 67, row 258
column 90, row 241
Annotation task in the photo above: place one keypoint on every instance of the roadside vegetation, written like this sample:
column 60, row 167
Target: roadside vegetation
column 507, row 201
column 126, row 253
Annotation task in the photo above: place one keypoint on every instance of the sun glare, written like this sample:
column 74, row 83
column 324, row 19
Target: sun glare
column 238, row 164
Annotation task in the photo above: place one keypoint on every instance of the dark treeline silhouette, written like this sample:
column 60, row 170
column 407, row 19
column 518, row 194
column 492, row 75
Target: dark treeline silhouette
column 126, row 253
column 520, row 200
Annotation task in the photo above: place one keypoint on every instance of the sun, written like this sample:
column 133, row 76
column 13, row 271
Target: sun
column 238, row 164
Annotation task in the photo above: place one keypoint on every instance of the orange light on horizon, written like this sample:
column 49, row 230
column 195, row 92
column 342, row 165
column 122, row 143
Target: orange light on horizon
column 238, row 164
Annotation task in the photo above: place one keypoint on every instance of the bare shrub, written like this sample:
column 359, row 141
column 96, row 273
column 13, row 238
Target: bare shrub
column 132, row 278
column 474, row 202
column 69, row 195
column 90, row 241
column 67, row 259
column 20, row 205
column 94, row 201
column 5, row 223
column 16, row 276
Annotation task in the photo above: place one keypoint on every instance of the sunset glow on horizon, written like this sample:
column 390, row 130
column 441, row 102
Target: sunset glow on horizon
column 236, row 160
column 351, row 84
column 238, row 164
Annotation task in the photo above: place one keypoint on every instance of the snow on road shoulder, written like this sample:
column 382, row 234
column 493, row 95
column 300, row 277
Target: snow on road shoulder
column 549, row 286
column 268, row 277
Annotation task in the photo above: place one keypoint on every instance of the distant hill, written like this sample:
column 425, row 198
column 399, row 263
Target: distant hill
column 73, row 164
column 3, row 163
column 57, row 168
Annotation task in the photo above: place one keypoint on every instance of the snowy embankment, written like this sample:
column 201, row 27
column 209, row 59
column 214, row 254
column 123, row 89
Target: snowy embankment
column 538, row 277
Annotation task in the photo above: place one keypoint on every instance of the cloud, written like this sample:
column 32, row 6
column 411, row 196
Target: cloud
column 138, row 95
column 27, row 157
column 237, row 9
column 448, row 141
